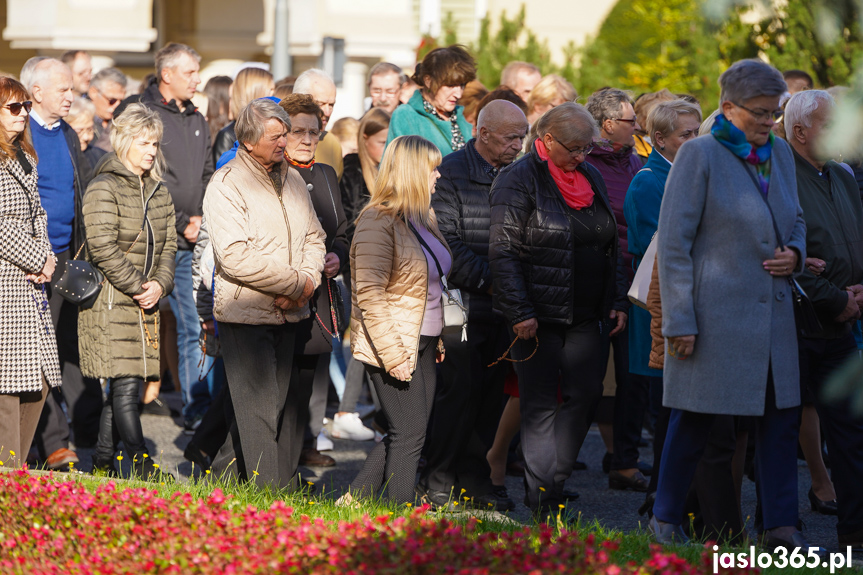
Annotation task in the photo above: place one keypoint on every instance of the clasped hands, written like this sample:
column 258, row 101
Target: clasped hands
column 45, row 274
column 285, row 303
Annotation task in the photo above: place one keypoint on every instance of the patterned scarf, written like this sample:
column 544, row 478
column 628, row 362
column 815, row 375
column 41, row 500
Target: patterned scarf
column 734, row 139
column 608, row 146
column 456, row 137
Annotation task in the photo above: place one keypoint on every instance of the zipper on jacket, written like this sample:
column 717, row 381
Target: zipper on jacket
column 285, row 215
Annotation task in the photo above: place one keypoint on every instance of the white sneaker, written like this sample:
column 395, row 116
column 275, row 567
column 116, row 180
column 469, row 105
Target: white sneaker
column 350, row 426
column 324, row 443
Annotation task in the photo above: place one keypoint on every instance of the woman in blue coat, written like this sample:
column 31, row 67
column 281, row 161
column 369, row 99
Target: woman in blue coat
column 433, row 111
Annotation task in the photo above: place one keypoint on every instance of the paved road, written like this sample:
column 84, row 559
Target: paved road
column 614, row 509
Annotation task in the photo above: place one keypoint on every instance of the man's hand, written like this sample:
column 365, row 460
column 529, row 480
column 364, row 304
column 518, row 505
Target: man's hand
column 150, row 296
column 858, row 294
column 401, row 372
column 191, row 231
column 783, row 264
column 681, row 347
column 815, row 265
column 851, row 311
column 621, row 322
column 285, row 303
column 331, row 265
column 526, row 329
column 209, row 326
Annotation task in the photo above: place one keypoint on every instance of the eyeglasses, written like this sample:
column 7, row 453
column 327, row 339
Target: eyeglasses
column 628, row 120
column 313, row 134
column 379, row 92
column 577, row 151
column 111, row 101
column 760, row 116
column 16, row 107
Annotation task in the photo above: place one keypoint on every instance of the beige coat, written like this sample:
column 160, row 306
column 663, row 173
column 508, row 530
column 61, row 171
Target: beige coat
column 265, row 243
column 389, row 288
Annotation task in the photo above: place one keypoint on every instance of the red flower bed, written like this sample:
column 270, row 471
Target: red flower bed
column 52, row 527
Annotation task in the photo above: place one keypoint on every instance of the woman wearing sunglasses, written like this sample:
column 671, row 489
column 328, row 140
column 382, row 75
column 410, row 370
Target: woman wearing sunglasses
column 559, row 281
column 28, row 348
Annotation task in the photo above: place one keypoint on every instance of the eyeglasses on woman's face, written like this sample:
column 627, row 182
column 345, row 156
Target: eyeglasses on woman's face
column 574, row 151
column 301, row 133
column 16, row 107
column 761, row 115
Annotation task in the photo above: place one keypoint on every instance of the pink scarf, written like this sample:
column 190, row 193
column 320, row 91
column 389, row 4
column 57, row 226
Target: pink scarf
column 573, row 186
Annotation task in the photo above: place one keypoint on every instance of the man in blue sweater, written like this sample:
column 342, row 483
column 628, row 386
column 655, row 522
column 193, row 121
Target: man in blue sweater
column 63, row 176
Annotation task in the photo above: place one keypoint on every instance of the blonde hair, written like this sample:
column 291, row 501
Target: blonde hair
column 80, row 106
column 250, row 84
column 373, row 122
column 663, row 116
column 402, row 185
column 549, row 89
column 138, row 120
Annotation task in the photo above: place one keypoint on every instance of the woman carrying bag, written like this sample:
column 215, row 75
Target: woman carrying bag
column 131, row 239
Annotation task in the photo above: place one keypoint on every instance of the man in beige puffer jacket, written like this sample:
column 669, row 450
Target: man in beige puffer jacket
column 269, row 252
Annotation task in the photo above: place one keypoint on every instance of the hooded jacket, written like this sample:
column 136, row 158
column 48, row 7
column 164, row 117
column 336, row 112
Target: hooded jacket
column 118, row 205
column 188, row 154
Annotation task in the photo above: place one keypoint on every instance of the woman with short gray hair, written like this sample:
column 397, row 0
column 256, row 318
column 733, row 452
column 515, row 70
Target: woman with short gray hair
column 731, row 235
column 558, row 277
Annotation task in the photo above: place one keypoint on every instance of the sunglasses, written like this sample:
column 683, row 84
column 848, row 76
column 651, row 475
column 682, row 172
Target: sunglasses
column 111, row 101
column 16, row 107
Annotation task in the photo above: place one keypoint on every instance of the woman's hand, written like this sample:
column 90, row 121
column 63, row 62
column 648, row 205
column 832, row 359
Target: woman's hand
column 526, row 329
column 331, row 265
column 681, row 347
column 150, row 296
column 401, row 372
column 44, row 276
column 815, row 265
column 621, row 322
column 783, row 264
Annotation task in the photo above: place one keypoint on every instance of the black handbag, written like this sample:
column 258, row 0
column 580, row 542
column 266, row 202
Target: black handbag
column 805, row 315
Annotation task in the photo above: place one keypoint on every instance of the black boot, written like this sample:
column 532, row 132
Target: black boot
column 104, row 466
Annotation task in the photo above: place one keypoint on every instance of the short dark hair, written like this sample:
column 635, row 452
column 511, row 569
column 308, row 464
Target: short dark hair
column 302, row 104
column 69, row 57
column 450, row 66
column 798, row 75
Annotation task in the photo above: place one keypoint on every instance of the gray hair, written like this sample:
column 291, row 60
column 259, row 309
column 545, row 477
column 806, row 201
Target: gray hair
column 252, row 118
column 136, row 120
column 29, row 76
column 106, row 75
column 664, row 116
column 509, row 75
column 747, row 79
column 383, row 68
column 81, row 107
column 168, row 56
column 801, row 106
column 570, row 122
column 605, row 104
column 306, row 80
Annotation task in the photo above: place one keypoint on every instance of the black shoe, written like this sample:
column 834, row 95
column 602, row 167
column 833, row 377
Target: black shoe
column 144, row 468
column 193, row 453
column 503, row 498
column 773, row 542
column 191, row 426
column 579, row 466
column 438, row 500
column 157, row 407
column 606, row 462
column 821, row 506
column 104, row 467
column 646, row 469
column 570, row 495
column 647, row 506
column 490, row 502
column 619, row 481
column 314, row 458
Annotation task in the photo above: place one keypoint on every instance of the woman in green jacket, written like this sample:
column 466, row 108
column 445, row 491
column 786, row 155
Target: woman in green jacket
column 131, row 239
column 433, row 111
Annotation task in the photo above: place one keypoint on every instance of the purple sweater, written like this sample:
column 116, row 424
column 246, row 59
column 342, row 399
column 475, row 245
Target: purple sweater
column 617, row 169
column 433, row 318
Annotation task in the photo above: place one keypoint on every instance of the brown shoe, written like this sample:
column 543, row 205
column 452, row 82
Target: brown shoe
column 61, row 459
column 314, row 458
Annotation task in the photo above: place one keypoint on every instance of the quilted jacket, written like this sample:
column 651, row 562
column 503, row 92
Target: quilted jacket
column 266, row 242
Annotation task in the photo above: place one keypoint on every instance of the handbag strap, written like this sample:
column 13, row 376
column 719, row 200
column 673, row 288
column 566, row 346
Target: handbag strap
column 434, row 257
column 766, row 203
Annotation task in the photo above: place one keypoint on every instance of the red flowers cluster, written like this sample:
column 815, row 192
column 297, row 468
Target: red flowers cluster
column 53, row 527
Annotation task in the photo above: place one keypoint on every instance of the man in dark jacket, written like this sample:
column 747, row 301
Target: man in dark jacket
column 468, row 396
column 834, row 246
column 63, row 176
column 189, row 157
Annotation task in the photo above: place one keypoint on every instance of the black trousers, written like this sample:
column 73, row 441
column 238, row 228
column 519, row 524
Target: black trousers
column 572, row 360
column 843, row 431
column 630, row 405
column 467, row 405
column 83, row 395
column 406, row 405
column 268, row 403
column 120, row 421
column 216, row 423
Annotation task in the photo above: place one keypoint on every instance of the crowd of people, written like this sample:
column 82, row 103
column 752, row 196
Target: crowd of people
column 479, row 248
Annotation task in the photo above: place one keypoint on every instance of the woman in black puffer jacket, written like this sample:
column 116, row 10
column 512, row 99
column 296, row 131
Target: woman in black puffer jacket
column 558, row 277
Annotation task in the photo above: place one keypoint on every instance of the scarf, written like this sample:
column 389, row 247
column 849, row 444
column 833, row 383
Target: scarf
column 734, row 139
column 573, row 186
column 297, row 164
column 456, row 138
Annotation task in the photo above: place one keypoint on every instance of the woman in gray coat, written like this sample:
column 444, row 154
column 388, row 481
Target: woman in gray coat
column 728, row 317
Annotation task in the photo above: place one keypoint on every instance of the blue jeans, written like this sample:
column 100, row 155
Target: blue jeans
column 198, row 394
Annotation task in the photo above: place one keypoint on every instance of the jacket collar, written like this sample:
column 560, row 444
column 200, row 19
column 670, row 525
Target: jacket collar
column 804, row 168
column 586, row 170
column 476, row 171
column 252, row 165
column 658, row 164
column 111, row 164
column 152, row 95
